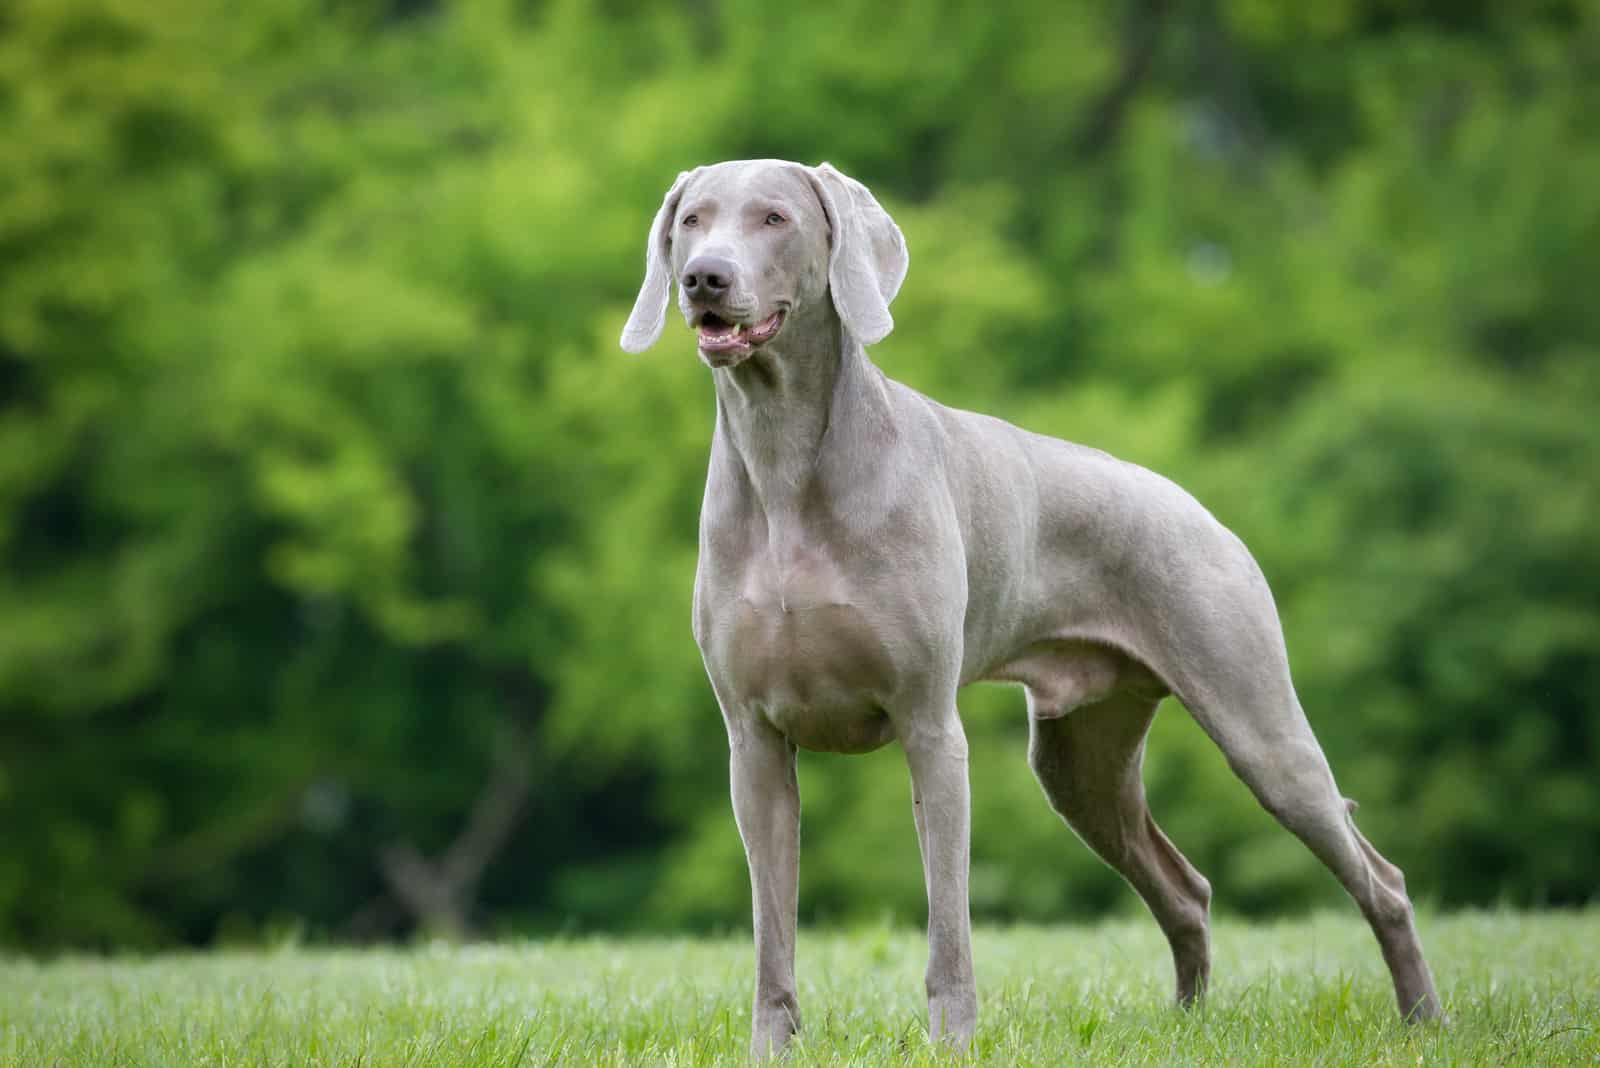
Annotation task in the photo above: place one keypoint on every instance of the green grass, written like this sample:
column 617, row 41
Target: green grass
column 1520, row 988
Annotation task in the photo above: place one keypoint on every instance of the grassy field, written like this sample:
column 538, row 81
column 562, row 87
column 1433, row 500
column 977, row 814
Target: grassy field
column 1521, row 989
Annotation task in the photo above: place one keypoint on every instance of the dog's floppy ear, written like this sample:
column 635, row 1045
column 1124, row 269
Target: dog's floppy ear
column 650, row 306
column 867, row 260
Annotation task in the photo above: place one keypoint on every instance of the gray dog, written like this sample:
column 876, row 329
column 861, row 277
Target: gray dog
column 865, row 552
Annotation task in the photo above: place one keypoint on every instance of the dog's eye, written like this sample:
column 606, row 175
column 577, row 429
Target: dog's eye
column 691, row 220
column 774, row 219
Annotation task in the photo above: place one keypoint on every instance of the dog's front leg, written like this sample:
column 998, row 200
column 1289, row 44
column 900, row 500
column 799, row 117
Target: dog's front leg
column 937, row 754
column 766, row 804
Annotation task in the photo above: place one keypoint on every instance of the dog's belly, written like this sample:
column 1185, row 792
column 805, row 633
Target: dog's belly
column 816, row 672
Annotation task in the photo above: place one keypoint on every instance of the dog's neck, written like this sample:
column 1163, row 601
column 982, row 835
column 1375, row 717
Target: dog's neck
column 810, row 389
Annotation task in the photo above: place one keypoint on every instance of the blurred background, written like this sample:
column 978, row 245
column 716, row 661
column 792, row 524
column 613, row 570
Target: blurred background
column 345, row 562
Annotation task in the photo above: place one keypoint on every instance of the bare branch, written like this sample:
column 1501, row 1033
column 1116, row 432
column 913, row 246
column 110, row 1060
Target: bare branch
column 1145, row 26
column 439, row 893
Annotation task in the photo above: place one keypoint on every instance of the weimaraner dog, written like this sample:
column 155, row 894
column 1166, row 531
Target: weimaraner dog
column 865, row 552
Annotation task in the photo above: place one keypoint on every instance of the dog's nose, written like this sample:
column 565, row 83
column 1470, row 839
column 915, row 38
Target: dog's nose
column 707, row 278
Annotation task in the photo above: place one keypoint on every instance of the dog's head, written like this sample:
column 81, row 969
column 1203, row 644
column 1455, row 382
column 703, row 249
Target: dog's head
column 753, row 244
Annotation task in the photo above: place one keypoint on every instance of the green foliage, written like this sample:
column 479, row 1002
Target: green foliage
column 323, row 485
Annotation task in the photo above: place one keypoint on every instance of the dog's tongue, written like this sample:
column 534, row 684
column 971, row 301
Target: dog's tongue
column 719, row 336
column 722, row 337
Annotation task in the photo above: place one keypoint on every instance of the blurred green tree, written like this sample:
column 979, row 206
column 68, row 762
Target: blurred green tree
column 345, row 564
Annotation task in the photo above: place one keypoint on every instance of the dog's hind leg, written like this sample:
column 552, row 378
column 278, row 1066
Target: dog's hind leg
column 1088, row 761
column 1268, row 743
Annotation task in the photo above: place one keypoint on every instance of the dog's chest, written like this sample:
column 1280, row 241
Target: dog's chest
column 796, row 641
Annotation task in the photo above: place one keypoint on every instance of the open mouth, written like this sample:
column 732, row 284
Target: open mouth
column 721, row 340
